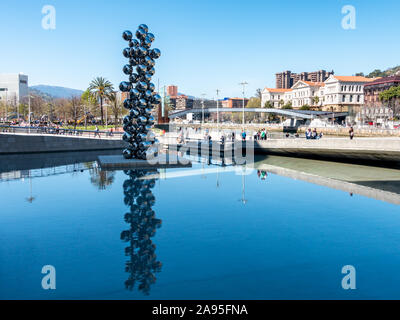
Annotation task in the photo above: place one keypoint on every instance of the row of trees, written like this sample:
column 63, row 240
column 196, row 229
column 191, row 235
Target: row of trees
column 100, row 92
column 73, row 110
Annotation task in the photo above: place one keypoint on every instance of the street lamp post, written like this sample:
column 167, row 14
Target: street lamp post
column 217, row 111
column 6, row 104
column 244, row 83
column 106, row 117
column 29, row 112
column 202, row 110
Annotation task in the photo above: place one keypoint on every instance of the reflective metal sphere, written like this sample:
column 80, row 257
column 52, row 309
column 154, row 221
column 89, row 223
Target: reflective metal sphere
column 127, row 35
column 141, row 34
column 155, row 53
column 124, row 86
column 142, row 52
column 127, row 104
column 126, row 52
column 127, row 154
column 151, row 37
column 134, row 93
column 127, row 69
column 144, row 27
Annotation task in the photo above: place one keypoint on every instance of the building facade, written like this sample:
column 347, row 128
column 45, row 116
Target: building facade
column 345, row 94
column 287, row 79
column 234, row 102
column 172, row 90
column 275, row 97
column 337, row 94
column 375, row 109
column 306, row 93
column 13, row 88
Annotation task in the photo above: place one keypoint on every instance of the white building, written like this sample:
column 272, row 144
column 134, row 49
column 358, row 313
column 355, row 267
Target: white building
column 306, row 93
column 13, row 88
column 275, row 97
column 337, row 93
column 344, row 93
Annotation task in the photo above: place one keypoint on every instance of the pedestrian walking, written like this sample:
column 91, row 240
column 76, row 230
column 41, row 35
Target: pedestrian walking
column 97, row 133
column 243, row 135
column 351, row 133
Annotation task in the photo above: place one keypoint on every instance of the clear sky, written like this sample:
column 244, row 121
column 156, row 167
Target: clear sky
column 205, row 44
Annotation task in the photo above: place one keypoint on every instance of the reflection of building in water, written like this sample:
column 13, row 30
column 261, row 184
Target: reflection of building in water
column 46, row 172
column 142, row 263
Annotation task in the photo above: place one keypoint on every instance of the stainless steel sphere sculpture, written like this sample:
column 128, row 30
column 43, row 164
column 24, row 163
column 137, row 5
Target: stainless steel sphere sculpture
column 142, row 97
column 142, row 264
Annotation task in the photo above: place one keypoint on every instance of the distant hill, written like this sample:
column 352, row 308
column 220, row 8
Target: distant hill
column 379, row 73
column 55, row 92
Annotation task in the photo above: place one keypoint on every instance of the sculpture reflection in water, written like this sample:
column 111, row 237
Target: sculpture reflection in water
column 142, row 264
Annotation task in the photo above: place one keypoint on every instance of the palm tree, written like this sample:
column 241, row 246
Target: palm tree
column 116, row 106
column 101, row 88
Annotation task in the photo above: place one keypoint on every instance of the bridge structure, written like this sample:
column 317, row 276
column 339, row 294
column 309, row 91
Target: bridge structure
column 290, row 113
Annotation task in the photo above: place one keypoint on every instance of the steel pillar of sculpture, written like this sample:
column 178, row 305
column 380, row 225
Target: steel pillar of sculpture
column 142, row 97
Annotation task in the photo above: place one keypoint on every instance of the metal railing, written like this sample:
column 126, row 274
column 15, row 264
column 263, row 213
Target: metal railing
column 61, row 131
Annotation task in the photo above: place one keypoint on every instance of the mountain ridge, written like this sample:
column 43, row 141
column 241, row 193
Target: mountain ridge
column 56, row 91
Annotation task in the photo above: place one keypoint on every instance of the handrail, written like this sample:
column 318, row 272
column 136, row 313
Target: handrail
column 59, row 131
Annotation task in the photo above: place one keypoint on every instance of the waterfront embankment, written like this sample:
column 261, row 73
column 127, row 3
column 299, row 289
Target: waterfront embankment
column 11, row 143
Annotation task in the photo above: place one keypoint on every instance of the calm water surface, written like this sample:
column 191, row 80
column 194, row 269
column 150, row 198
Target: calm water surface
column 281, row 231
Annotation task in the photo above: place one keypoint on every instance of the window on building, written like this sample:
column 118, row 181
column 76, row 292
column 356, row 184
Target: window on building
column 343, row 98
column 351, row 98
column 358, row 98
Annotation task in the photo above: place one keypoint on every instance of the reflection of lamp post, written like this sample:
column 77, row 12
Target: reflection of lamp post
column 243, row 200
column 217, row 177
column 30, row 198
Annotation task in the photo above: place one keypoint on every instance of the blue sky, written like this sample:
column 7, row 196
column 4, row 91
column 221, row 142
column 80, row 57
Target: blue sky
column 206, row 45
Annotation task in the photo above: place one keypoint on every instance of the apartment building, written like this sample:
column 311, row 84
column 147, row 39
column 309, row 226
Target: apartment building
column 287, row 79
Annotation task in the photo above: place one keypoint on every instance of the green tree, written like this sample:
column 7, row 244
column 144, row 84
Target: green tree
column 254, row 103
column 75, row 109
column 259, row 93
column 269, row 105
column 288, row 105
column 116, row 107
column 376, row 73
column 305, row 107
column 101, row 88
column 392, row 97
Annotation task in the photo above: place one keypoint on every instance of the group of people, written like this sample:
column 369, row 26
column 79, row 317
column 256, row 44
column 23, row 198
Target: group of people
column 262, row 174
column 260, row 135
column 313, row 134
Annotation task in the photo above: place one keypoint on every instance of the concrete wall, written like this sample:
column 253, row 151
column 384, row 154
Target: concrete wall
column 18, row 143
column 383, row 149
